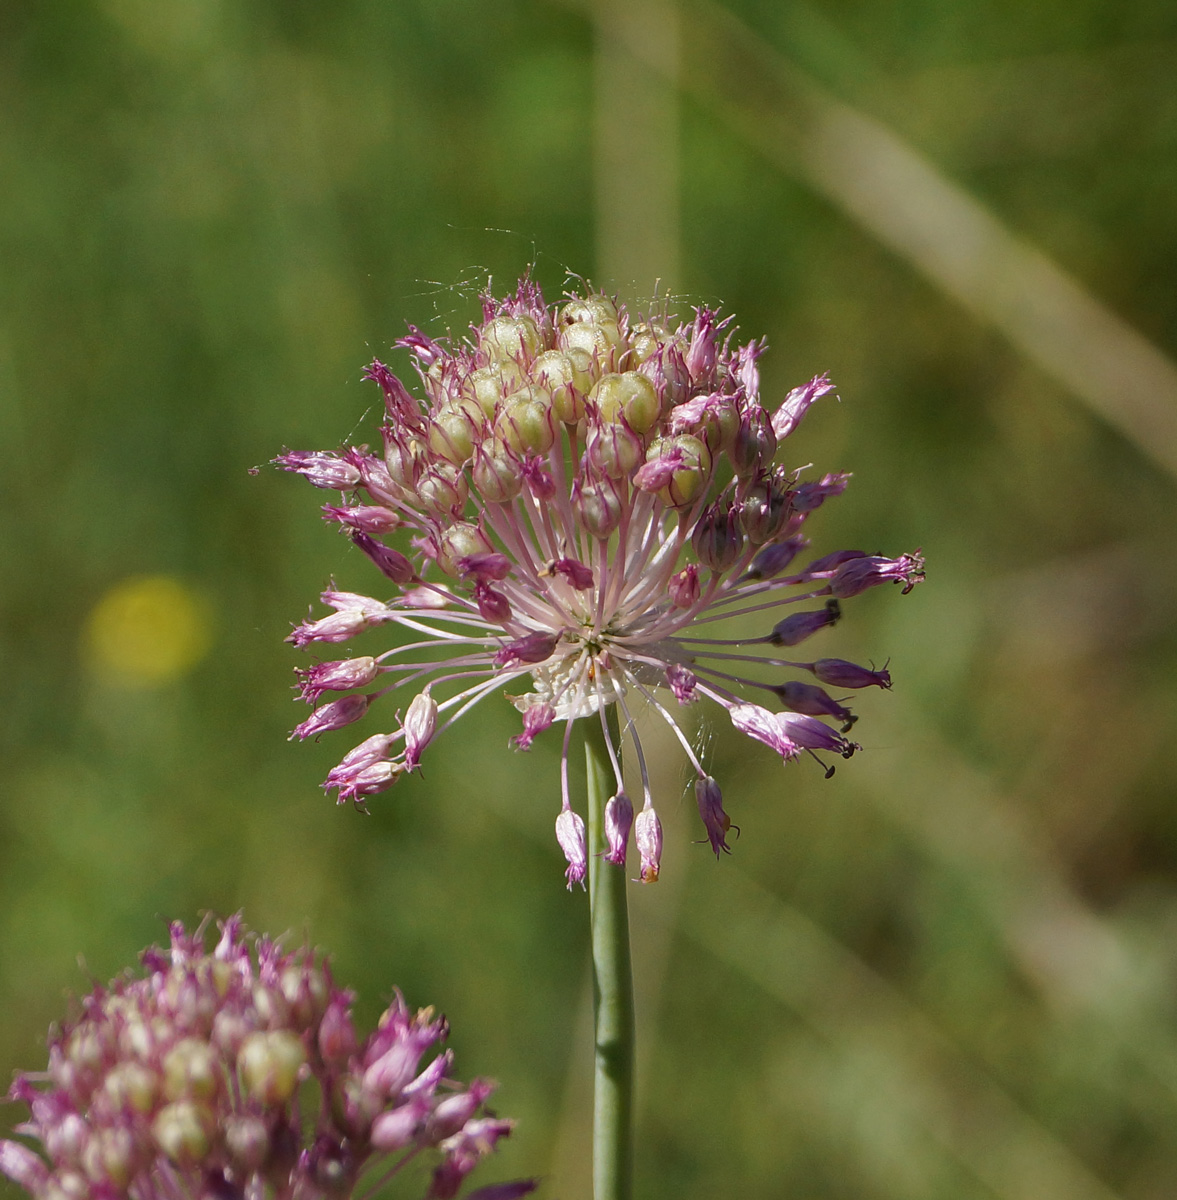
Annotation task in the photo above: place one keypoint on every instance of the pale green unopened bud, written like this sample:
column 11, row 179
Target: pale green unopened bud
column 646, row 340
column 404, row 461
column 526, row 422
column 719, row 425
column 453, row 431
column 221, row 974
column 690, row 479
column 230, row 1029
column 68, row 1185
column 182, row 1131
column 109, row 1157
column 614, row 450
column 764, row 512
column 567, row 378
column 599, row 505
column 443, row 489
column 488, row 385
column 598, row 339
column 590, row 310
column 510, row 339
column 460, row 541
column 629, row 395
column 84, row 1052
column 247, row 1141
column 270, row 1005
column 135, row 1038
column 306, row 991
column 496, row 474
column 269, row 1064
column 191, row 1070
column 131, row 1086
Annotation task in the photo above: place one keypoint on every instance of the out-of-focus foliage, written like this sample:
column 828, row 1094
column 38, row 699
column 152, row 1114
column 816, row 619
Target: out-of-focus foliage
column 947, row 973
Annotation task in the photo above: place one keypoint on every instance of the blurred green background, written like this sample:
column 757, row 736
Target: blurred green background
column 946, row 974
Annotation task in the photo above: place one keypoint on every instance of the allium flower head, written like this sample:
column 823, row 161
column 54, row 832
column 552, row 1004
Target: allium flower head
column 238, row 1074
column 564, row 510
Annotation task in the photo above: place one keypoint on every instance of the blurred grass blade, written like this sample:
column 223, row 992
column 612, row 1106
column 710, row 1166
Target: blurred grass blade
column 901, row 198
column 915, row 1071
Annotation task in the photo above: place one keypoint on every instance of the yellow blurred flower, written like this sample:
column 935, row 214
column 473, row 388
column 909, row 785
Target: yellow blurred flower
column 147, row 631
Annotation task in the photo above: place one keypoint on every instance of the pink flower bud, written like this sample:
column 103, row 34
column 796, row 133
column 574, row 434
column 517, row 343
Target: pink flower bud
column 761, row 724
column 684, row 587
column 420, row 726
column 335, row 715
column 647, row 835
column 570, row 835
column 324, row 470
column 796, row 404
column 618, row 822
column 536, row 719
column 575, row 572
column 717, row 823
column 534, row 648
column 682, row 682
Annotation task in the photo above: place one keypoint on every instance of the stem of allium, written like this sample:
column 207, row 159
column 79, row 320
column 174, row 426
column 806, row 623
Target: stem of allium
column 612, row 991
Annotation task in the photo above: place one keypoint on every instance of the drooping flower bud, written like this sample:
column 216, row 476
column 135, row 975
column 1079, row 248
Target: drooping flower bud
column 420, row 726
column 339, row 676
column 618, row 822
column 392, row 563
column 570, row 835
column 756, row 721
column 647, row 835
column 335, row 715
column 536, row 718
column 717, row 823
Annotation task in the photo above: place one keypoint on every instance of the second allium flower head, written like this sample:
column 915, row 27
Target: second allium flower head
column 577, row 497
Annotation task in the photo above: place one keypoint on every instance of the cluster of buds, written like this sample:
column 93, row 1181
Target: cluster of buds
column 573, row 503
column 234, row 1075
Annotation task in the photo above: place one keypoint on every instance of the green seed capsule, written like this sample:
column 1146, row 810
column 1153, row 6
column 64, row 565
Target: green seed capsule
column 496, row 474
column 600, row 340
column 526, row 421
column 510, row 339
column 629, row 395
column 182, row 1131
column 453, row 431
column 690, row 479
column 645, row 340
column 567, row 377
column 191, row 1071
column 488, row 385
column 458, row 542
column 591, row 310
column 269, row 1064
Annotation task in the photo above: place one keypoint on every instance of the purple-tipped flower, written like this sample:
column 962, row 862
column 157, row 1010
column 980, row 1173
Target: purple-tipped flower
column 585, row 505
column 190, row 1081
column 715, row 820
column 795, row 629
